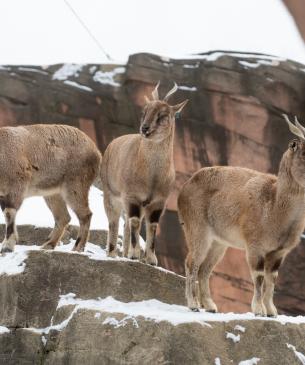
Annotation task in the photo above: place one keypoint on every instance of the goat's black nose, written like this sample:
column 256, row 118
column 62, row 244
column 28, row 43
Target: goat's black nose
column 144, row 128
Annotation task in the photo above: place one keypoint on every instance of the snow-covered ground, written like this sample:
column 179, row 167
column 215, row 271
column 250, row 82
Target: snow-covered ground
column 173, row 28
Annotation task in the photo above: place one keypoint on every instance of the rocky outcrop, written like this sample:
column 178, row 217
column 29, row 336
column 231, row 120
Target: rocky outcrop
column 69, row 308
column 233, row 117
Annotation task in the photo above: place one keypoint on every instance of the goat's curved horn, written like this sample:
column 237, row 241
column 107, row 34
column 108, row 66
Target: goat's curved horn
column 171, row 92
column 155, row 93
column 299, row 125
column 293, row 128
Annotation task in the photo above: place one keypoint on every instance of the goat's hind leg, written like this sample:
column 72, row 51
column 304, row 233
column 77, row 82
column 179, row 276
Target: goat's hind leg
column 199, row 245
column 113, row 210
column 77, row 198
column 62, row 218
column 214, row 255
column 10, row 206
column 152, row 217
column 134, row 218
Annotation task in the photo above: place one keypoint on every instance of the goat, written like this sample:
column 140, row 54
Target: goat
column 242, row 208
column 137, row 176
column 57, row 162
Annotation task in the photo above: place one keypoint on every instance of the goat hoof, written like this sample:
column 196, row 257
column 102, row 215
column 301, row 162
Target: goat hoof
column 78, row 249
column 112, row 254
column 47, row 246
column 195, row 309
column 271, row 315
column 210, row 310
column 6, row 250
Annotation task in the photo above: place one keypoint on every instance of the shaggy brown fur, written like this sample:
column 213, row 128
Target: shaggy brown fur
column 260, row 213
column 58, row 162
column 137, row 175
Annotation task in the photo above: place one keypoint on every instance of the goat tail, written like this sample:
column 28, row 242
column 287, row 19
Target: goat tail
column 98, row 180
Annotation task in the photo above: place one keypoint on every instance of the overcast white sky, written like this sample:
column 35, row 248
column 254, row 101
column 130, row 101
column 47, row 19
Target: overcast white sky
column 45, row 31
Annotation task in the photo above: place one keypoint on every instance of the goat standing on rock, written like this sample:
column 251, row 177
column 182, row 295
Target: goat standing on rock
column 57, row 162
column 246, row 209
column 137, row 175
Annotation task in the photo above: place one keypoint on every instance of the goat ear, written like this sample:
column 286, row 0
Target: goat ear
column 293, row 145
column 178, row 107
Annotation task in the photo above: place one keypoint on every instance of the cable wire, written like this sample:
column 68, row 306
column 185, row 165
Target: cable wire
column 88, row 30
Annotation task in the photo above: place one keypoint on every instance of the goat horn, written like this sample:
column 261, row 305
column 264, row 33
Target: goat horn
column 299, row 125
column 171, row 92
column 155, row 93
column 293, row 128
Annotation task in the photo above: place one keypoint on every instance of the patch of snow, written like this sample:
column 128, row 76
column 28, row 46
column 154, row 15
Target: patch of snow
column 158, row 311
column 252, row 361
column 67, row 70
column 298, row 354
column 97, row 315
column 13, row 263
column 249, row 64
column 79, row 86
column 234, row 338
column 92, row 69
column 30, row 69
column 187, row 88
column 4, row 68
column 44, row 340
column 215, row 55
column 196, row 65
column 4, row 330
column 268, row 62
column 121, row 323
column 108, row 77
column 217, row 361
column 239, row 328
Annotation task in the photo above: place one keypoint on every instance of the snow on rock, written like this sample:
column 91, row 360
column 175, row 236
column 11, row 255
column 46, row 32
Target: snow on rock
column 217, row 361
column 79, row 86
column 158, row 311
column 4, row 330
column 67, row 70
column 187, row 88
column 252, row 361
column 268, row 62
column 108, row 77
column 239, row 328
column 121, row 323
column 234, row 338
column 298, row 354
column 30, row 69
column 13, row 263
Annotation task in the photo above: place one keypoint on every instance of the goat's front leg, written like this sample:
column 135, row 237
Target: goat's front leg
column 256, row 264
column 152, row 217
column 273, row 262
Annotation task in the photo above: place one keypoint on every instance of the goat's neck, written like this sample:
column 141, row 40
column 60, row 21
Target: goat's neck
column 161, row 153
column 290, row 196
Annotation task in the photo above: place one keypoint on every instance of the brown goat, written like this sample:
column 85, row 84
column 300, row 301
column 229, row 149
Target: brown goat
column 260, row 213
column 137, row 175
column 57, row 162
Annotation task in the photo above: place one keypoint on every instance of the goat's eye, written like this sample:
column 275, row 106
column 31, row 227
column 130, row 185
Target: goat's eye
column 161, row 119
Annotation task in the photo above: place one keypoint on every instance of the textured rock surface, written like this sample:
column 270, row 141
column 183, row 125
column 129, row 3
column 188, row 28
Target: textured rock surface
column 29, row 304
column 233, row 117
